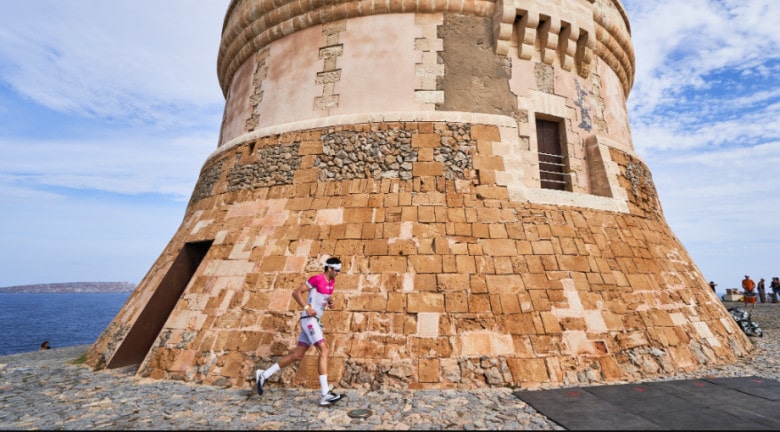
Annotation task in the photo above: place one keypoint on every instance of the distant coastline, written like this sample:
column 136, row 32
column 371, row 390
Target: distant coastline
column 71, row 287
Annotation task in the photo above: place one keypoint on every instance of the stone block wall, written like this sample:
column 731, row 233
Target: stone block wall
column 447, row 283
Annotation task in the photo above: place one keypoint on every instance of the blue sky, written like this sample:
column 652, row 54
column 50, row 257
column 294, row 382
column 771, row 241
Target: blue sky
column 109, row 109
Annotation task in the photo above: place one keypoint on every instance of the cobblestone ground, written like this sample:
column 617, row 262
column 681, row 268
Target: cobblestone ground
column 47, row 390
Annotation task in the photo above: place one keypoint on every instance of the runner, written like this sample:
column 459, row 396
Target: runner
column 320, row 289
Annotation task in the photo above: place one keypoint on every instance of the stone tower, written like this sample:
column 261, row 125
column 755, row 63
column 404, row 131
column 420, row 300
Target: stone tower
column 470, row 162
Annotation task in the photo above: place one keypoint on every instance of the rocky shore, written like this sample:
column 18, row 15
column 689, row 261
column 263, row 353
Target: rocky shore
column 71, row 287
column 52, row 390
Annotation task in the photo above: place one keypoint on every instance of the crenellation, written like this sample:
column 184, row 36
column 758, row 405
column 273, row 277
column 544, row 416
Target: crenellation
column 549, row 31
column 527, row 33
column 567, row 45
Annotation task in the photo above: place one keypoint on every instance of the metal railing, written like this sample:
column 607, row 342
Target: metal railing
column 551, row 171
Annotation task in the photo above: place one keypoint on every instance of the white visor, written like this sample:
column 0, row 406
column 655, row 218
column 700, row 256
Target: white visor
column 336, row 267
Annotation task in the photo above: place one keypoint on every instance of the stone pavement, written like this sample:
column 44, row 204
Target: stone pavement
column 48, row 390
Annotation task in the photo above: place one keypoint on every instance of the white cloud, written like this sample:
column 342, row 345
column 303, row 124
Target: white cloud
column 121, row 59
column 135, row 165
column 704, row 112
column 679, row 43
column 107, row 112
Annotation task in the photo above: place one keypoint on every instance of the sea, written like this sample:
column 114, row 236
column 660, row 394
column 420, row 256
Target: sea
column 63, row 319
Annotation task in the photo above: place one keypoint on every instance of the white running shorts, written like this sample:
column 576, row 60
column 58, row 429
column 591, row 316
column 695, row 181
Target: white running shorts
column 311, row 332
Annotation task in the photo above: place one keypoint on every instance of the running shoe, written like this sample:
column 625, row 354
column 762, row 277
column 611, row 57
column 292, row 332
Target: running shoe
column 330, row 399
column 260, row 381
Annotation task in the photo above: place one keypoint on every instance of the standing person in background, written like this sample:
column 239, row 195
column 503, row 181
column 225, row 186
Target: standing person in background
column 749, row 287
column 775, row 286
column 761, row 291
column 319, row 289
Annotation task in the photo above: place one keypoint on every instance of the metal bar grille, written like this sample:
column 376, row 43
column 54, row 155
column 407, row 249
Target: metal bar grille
column 551, row 171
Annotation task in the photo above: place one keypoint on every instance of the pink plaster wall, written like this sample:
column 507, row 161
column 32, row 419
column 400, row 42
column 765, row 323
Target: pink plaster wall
column 615, row 112
column 376, row 76
column 378, row 65
column 290, row 87
column 237, row 108
column 522, row 79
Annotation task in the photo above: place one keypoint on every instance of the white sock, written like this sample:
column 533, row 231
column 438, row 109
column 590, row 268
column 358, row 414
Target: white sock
column 271, row 370
column 324, row 384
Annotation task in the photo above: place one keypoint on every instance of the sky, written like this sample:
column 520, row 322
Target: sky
column 108, row 111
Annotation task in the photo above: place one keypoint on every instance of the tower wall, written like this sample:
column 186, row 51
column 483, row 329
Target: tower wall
column 402, row 137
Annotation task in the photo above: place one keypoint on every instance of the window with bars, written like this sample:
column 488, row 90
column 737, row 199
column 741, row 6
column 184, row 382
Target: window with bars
column 552, row 160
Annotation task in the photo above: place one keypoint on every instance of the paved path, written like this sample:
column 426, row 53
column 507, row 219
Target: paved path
column 47, row 390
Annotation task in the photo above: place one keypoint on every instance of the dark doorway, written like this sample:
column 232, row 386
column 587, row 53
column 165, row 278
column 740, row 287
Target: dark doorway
column 141, row 336
column 552, row 161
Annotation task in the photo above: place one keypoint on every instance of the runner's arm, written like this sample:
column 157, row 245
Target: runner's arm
column 301, row 296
